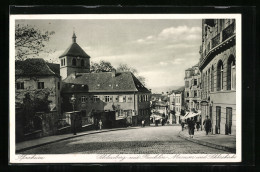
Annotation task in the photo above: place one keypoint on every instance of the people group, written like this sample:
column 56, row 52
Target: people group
column 192, row 123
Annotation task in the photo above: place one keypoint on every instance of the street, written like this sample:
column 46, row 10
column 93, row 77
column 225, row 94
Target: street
column 147, row 140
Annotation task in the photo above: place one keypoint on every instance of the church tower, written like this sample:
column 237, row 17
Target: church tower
column 74, row 59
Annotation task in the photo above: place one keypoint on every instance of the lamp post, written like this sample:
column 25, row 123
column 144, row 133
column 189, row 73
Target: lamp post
column 72, row 101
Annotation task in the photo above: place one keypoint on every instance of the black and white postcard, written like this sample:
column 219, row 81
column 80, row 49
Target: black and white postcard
column 124, row 88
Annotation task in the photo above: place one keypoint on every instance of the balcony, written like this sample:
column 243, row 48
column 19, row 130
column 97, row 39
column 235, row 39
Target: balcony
column 222, row 38
column 228, row 32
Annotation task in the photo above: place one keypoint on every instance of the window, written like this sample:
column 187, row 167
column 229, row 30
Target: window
column 206, row 81
column 231, row 73
column 188, row 94
column 107, row 98
column 220, row 76
column 122, row 99
column 82, row 63
column 116, row 98
column 209, row 80
column 195, row 93
column 58, row 85
column 212, row 78
column 96, row 98
column 74, row 62
column 83, row 99
column 64, row 62
column 61, row 62
column 20, row 85
column 129, row 99
column 40, row 85
column 187, row 84
column 195, row 81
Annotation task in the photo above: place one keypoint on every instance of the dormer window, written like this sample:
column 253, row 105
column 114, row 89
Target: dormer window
column 74, row 62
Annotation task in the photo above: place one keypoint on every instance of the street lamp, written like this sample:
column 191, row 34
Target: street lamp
column 72, row 101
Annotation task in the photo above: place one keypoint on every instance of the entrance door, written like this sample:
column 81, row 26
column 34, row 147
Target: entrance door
column 218, row 117
column 228, row 120
column 210, row 117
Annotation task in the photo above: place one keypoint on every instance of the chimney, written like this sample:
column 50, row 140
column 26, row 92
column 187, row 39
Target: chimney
column 113, row 71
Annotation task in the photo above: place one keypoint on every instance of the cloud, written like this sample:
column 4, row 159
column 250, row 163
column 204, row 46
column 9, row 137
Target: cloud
column 163, row 63
column 173, row 34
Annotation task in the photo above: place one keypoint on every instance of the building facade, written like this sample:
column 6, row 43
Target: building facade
column 218, row 72
column 38, row 78
column 192, row 88
column 176, row 105
column 102, row 92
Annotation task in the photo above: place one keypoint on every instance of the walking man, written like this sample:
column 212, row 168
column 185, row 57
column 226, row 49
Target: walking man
column 100, row 124
column 191, row 127
column 207, row 124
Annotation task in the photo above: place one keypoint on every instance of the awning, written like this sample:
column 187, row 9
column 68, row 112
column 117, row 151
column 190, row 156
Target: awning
column 157, row 117
column 191, row 114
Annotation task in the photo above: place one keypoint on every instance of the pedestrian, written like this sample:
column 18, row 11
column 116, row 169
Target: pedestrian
column 143, row 123
column 191, row 126
column 198, row 125
column 207, row 124
column 100, row 124
column 182, row 125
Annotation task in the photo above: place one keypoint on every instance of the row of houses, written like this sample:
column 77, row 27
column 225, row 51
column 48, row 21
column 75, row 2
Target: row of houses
column 94, row 94
column 210, row 85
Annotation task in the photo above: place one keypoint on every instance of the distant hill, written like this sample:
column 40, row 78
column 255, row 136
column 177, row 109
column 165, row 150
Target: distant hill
column 165, row 89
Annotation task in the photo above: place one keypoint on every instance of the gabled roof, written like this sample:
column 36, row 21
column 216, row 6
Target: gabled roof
column 36, row 67
column 54, row 67
column 103, row 82
column 76, row 51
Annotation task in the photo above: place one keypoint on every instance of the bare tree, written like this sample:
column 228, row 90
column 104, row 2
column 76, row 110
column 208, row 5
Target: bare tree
column 126, row 68
column 30, row 41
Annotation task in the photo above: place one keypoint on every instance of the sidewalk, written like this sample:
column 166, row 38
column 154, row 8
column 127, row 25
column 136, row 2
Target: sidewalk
column 22, row 146
column 218, row 141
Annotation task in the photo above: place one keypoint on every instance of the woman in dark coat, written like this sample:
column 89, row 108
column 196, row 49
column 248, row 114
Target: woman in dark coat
column 191, row 125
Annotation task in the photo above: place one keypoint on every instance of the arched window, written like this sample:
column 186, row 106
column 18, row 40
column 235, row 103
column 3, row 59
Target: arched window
column 74, row 62
column 206, row 84
column 209, row 81
column 231, row 73
column 220, row 76
column 212, row 79
column 82, row 63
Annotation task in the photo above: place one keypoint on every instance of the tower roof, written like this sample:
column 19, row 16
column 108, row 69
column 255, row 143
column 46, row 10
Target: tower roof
column 75, row 50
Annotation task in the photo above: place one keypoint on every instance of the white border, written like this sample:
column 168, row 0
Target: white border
column 124, row 158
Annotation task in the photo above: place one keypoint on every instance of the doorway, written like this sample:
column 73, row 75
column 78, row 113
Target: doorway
column 228, row 120
column 218, row 118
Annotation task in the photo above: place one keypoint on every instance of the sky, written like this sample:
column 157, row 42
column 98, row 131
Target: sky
column 160, row 49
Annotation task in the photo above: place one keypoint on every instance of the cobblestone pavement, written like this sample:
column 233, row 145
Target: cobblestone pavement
column 147, row 140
